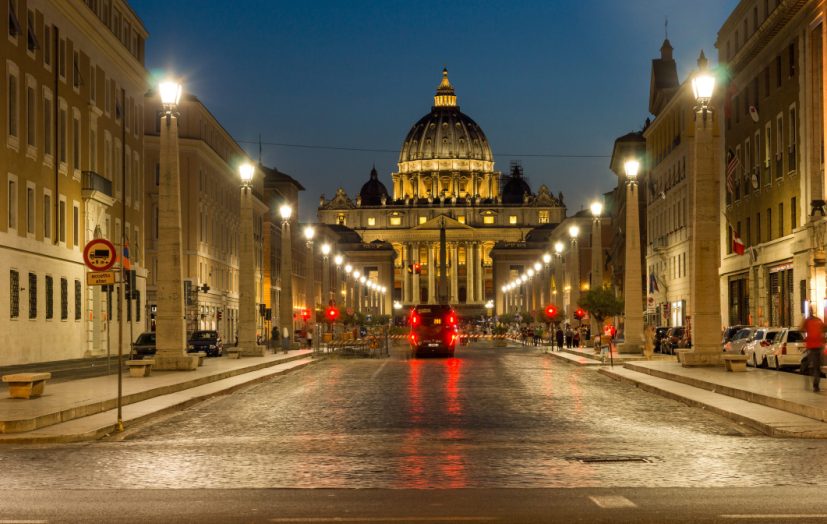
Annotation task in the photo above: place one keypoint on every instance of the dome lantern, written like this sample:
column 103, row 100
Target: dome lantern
column 445, row 96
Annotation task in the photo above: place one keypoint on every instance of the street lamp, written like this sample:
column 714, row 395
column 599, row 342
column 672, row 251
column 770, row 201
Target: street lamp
column 574, row 269
column 247, row 342
column 310, row 278
column 325, row 275
column 170, row 319
column 597, row 259
column 632, row 280
column 704, row 282
column 286, row 295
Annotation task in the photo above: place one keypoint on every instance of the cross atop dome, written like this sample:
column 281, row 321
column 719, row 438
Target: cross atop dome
column 445, row 96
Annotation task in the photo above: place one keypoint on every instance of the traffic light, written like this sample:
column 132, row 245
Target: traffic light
column 551, row 311
column 417, row 268
column 331, row 313
column 579, row 314
column 305, row 313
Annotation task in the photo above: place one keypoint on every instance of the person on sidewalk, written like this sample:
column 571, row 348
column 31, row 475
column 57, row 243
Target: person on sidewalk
column 559, row 337
column 813, row 327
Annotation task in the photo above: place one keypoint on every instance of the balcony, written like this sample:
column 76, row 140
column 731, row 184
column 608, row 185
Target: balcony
column 95, row 187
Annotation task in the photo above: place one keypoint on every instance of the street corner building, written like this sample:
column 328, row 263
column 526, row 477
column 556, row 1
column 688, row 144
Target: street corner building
column 496, row 225
column 72, row 157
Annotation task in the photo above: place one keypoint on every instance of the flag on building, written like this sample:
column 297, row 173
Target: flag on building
column 125, row 258
column 732, row 165
column 737, row 244
column 653, row 284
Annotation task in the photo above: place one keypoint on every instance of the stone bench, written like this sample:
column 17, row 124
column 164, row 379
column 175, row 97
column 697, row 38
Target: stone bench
column 201, row 356
column 735, row 362
column 233, row 353
column 140, row 368
column 26, row 385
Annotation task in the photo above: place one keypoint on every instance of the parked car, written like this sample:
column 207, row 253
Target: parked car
column 660, row 334
column 788, row 350
column 760, row 346
column 730, row 332
column 207, row 341
column 738, row 341
column 674, row 339
column 144, row 346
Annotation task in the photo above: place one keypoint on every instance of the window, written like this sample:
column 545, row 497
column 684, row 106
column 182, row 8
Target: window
column 766, row 81
column 512, row 219
column 779, row 145
column 61, row 58
column 78, row 299
column 781, row 219
column 778, row 71
column 32, row 295
column 767, row 145
column 396, row 221
column 792, row 59
column 769, row 223
column 12, row 104
column 461, row 219
column 50, row 309
column 793, row 217
column 76, row 142
column 30, row 210
column 75, row 225
column 61, row 133
column 93, row 149
column 47, row 216
column 758, row 237
column 542, row 216
column 422, row 219
column 14, row 24
column 748, row 232
column 93, row 91
column 76, row 79
column 371, row 221
column 31, row 116
column 47, row 46
column 341, row 220
column 137, row 305
column 791, row 140
column 12, row 224
column 47, row 123
column 14, row 294
column 64, row 299
column 488, row 219
column 61, row 217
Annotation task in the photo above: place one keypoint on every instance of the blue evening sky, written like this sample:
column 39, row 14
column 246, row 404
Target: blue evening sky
column 540, row 77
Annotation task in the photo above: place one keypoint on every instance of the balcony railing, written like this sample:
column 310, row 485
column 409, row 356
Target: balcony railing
column 92, row 181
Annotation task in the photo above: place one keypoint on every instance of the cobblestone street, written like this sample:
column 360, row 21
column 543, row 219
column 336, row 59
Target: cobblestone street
column 493, row 417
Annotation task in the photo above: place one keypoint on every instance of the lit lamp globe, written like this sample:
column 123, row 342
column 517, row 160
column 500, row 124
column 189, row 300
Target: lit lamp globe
column 504, row 289
column 309, row 232
column 524, row 278
column 530, row 272
column 703, row 85
column 631, row 167
column 170, row 92
column 325, row 249
column 362, row 280
column 338, row 259
column 537, row 267
column 546, row 258
column 348, row 268
column 558, row 247
column 246, row 170
column 596, row 208
column 356, row 274
column 285, row 211
column 574, row 231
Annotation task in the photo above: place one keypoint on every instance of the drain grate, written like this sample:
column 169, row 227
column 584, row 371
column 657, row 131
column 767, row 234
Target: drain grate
column 611, row 459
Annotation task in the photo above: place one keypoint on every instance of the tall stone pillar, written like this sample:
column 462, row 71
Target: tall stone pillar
column 431, row 275
column 406, row 283
column 704, row 282
column 170, row 322
column 479, row 273
column 469, row 273
column 574, row 276
column 310, row 284
column 454, row 274
column 247, row 312
column 417, row 290
column 286, row 297
column 597, row 267
column 633, row 277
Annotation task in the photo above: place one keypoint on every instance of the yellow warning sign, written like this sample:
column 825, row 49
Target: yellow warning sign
column 100, row 278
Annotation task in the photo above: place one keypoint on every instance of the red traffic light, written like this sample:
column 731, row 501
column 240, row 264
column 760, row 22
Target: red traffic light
column 305, row 313
column 579, row 314
column 551, row 311
column 417, row 268
column 331, row 314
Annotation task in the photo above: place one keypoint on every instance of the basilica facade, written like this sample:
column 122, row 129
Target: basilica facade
column 446, row 176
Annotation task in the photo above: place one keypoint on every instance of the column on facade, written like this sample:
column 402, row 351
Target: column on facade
column 431, row 274
column 417, row 291
column 469, row 273
column 479, row 273
column 406, row 285
column 454, row 273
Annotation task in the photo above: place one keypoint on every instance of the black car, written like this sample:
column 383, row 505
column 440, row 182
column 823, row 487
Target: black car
column 434, row 330
column 144, row 346
column 207, row 341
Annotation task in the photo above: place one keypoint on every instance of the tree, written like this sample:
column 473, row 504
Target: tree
column 601, row 303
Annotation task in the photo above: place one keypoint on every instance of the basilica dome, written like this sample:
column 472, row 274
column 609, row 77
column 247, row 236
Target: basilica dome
column 445, row 133
column 373, row 190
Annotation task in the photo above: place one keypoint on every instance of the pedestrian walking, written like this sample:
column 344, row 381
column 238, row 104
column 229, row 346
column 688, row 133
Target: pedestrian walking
column 814, row 342
column 559, row 336
column 575, row 339
column 310, row 338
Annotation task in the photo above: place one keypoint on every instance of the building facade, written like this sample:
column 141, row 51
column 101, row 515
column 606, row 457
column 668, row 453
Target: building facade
column 774, row 126
column 72, row 152
column 446, row 177
column 210, row 207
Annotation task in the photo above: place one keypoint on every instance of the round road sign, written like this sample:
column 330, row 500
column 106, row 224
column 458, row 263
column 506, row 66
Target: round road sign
column 99, row 254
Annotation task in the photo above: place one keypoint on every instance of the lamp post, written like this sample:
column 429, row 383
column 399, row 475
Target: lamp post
column 574, row 269
column 597, row 259
column 357, row 291
column 348, row 290
column 546, row 282
column 361, row 292
column 337, row 260
column 704, row 283
column 247, row 343
column 310, row 279
column 558, row 274
column 170, row 321
column 325, row 300
column 286, row 296
column 632, row 280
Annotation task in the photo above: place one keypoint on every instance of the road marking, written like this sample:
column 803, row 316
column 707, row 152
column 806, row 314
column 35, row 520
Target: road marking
column 375, row 373
column 771, row 516
column 613, row 501
column 384, row 519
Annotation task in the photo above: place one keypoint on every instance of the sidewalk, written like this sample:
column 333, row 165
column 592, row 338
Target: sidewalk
column 85, row 409
column 776, row 403
column 585, row 356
